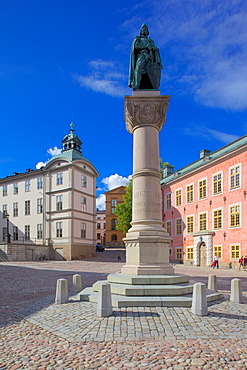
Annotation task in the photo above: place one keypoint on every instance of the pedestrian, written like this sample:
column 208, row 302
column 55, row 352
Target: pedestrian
column 216, row 261
column 119, row 256
column 245, row 262
column 241, row 262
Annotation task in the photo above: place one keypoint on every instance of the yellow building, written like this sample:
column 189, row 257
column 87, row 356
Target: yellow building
column 114, row 237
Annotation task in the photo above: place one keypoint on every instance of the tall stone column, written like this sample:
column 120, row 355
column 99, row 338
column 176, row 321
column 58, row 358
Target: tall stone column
column 147, row 242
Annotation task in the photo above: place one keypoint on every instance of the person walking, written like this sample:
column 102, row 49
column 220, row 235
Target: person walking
column 119, row 256
column 241, row 262
column 216, row 261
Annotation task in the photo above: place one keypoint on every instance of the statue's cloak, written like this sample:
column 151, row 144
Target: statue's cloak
column 157, row 58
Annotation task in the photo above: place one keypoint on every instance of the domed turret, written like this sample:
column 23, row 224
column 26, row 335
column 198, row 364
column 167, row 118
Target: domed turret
column 72, row 141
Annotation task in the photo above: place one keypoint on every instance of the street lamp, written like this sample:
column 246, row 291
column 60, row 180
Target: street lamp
column 8, row 234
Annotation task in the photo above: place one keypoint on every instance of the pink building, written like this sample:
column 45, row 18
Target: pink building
column 205, row 207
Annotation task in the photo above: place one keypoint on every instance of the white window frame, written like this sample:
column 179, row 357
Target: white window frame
column 170, row 193
column 222, row 183
column 192, row 215
column 240, row 177
column 27, row 186
column 171, row 226
column 229, row 216
column 202, row 213
column 219, row 245
column 222, row 215
column 192, row 183
column 178, row 218
column 230, row 251
column 200, row 199
column 59, row 178
column 176, row 197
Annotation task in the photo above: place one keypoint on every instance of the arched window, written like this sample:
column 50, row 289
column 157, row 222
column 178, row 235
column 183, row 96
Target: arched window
column 114, row 224
column 114, row 237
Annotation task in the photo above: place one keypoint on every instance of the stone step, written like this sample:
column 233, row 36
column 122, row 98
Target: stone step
column 147, row 279
column 88, row 294
column 148, row 290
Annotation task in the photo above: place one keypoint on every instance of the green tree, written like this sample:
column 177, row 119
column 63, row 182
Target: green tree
column 162, row 166
column 124, row 210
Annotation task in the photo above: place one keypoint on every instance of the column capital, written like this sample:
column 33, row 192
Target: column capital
column 142, row 111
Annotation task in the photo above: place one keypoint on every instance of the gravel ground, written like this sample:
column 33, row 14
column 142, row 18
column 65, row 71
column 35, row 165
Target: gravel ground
column 25, row 344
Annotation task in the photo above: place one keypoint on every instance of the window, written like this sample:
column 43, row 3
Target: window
column 15, row 209
column 83, row 230
column 59, row 178
column 40, row 183
column 27, row 207
column 59, row 229
column 202, row 189
column 190, row 253
column 169, row 228
column 59, row 202
column 39, row 205
column 235, row 177
column 98, row 236
column 114, row 224
column 217, row 214
column 179, row 254
column 39, row 231
column 84, row 181
column 178, row 197
column 217, row 183
column 190, row 193
column 83, row 204
column 5, row 190
column 169, row 201
column 5, row 212
column 27, row 232
column 235, row 251
column 190, row 224
column 4, row 233
column 15, row 233
column 16, row 188
column 27, row 185
column 218, row 251
column 114, row 237
column 202, row 221
column 113, row 205
column 179, row 226
column 235, row 216
column 98, row 225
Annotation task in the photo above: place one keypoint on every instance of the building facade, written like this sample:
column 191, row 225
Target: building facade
column 205, row 209
column 53, row 206
column 100, row 227
column 114, row 237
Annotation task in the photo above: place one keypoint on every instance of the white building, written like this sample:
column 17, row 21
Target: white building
column 54, row 206
column 100, row 227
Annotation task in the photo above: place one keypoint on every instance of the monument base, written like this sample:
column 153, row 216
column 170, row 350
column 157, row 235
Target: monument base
column 147, row 253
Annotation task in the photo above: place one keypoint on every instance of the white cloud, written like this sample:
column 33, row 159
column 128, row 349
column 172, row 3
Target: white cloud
column 100, row 202
column 210, row 134
column 51, row 151
column 110, row 182
column 104, row 78
column 114, row 181
column 54, row 151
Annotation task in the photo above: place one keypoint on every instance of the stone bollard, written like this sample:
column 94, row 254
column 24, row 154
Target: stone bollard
column 104, row 308
column 62, row 295
column 236, row 291
column 77, row 283
column 199, row 300
column 212, row 282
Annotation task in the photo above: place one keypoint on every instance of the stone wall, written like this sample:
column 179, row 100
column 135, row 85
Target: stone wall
column 25, row 252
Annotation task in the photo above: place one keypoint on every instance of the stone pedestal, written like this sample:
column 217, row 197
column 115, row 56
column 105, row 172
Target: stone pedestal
column 147, row 242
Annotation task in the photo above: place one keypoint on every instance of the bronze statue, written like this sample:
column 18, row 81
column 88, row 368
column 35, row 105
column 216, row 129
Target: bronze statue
column 145, row 62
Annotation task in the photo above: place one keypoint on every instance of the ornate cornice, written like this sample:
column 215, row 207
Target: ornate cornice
column 145, row 111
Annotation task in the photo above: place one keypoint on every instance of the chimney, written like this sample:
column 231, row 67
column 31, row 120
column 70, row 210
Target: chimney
column 204, row 153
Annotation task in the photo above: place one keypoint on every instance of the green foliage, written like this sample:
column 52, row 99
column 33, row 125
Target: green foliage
column 162, row 166
column 124, row 210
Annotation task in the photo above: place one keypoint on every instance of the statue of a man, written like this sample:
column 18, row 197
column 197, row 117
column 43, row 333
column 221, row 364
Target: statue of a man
column 145, row 62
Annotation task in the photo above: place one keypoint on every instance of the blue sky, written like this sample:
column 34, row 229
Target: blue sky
column 68, row 60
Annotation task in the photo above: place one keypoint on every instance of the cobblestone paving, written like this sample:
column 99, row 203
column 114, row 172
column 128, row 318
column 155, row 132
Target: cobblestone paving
column 39, row 335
